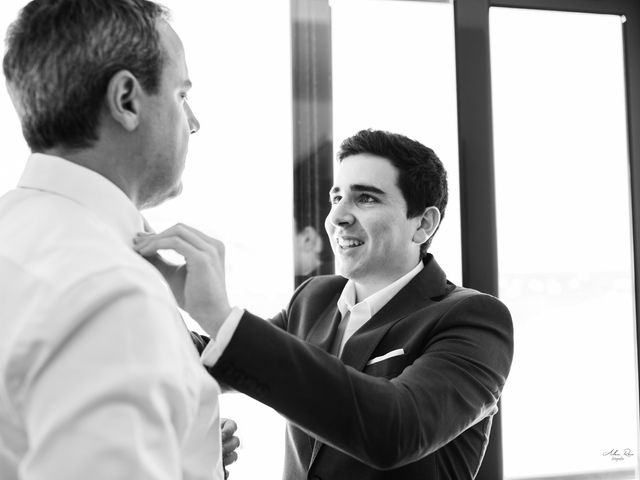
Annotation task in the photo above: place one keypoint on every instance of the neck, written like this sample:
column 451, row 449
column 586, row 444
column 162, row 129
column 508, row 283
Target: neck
column 364, row 291
column 365, row 287
column 107, row 165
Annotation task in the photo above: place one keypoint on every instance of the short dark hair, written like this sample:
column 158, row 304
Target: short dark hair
column 422, row 178
column 61, row 55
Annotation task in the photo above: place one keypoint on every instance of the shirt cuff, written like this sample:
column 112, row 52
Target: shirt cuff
column 215, row 347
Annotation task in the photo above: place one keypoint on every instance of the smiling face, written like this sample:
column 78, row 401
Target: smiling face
column 368, row 227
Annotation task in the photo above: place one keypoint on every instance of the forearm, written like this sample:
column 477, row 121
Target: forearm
column 295, row 378
column 380, row 422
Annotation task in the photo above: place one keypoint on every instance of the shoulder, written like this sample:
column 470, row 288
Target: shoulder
column 476, row 314
column 310, row 301
column 320, row 289
column 442, row 306
column 61, row 243
column 461, row 298
column 61, row 266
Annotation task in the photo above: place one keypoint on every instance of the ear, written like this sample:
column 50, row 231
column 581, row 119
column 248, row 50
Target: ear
column 124, row 100
column 429, row 221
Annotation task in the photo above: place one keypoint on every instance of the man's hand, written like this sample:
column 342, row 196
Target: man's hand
column 199, row 284
column 229, row 443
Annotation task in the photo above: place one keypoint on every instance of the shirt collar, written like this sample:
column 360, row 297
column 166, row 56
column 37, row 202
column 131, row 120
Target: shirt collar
column 375, row 302
column 86, row 187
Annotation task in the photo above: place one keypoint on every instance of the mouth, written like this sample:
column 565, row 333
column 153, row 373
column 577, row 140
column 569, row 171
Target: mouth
column 348, row 243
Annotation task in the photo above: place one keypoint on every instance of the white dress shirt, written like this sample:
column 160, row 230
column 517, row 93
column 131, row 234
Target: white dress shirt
column 355, row 315
column 99, row 378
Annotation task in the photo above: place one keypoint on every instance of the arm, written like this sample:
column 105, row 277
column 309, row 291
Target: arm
column 455, row 383
column 96, row 401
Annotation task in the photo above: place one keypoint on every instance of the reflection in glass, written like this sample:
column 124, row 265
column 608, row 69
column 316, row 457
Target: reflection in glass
column 564, row 243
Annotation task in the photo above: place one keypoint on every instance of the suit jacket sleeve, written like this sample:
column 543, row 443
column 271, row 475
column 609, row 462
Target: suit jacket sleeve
column 201, row 341
column 453, row 384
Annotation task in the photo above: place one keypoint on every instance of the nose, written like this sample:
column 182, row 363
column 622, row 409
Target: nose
column 340, row 215
column 194, row 124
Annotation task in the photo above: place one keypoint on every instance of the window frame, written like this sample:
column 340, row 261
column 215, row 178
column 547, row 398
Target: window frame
column 475, row 135
column 311, row 24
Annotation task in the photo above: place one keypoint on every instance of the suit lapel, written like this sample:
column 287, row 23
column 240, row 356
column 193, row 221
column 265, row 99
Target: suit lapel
column 425, row 288
column 430, row 283
column 323, row 334
column 325, row 327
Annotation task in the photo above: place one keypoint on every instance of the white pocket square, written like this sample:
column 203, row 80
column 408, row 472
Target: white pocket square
column 392, row 353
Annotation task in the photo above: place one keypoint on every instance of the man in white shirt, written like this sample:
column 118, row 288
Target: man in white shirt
column 99, row 378
column 386, row 371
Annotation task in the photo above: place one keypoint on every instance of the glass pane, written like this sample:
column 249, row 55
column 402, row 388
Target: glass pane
column 394, row 69
column 564, row 243
column 237, row 183
column 238, row 179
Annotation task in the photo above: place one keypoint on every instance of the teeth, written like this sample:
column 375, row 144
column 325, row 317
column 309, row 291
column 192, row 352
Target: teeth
column 348, row 243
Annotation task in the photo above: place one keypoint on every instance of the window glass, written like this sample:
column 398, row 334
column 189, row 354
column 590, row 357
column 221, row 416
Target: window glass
column 564, row 243
column 394, row 69
column 238, row 179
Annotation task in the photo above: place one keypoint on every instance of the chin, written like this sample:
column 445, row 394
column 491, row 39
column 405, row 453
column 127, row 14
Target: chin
column 160, row 198
column 177, row 190
column 170, row 193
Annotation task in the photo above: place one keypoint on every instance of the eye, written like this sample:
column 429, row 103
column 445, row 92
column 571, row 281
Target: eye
column 335, row 199
column 365, row 198
column 183, row 96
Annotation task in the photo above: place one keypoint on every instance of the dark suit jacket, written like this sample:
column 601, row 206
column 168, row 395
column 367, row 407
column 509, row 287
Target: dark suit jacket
column 424, row 415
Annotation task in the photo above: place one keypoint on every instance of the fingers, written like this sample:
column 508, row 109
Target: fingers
column 229, row 442
column 228, row 459
column 227, row 427
column 200, row 283
column 189, row 234
column 229, row 446
column 187, row 241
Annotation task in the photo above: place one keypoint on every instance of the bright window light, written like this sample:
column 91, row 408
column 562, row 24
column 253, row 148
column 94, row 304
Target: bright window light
column 564, row 243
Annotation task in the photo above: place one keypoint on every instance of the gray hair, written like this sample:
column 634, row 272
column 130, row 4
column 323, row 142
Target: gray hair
column 61, row 55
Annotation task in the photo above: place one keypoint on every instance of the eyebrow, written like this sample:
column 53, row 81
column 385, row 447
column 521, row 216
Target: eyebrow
column 187, row 84
column 360, row 188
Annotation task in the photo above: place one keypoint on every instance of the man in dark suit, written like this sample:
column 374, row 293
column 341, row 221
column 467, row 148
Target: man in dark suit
column 387, row 371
